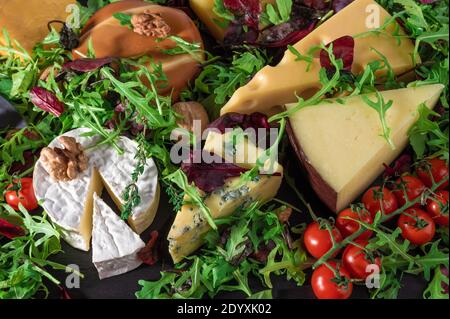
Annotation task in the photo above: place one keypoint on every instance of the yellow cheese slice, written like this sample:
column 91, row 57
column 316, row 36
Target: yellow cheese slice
column 189, row 228
column 204, row 10
column 340, row 144
column 273, row 86
column 26, row 21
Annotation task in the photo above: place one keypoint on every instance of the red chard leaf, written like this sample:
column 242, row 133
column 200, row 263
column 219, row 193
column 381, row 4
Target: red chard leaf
column 290, row 38
column 86, row 65
column 9, row 230
column 317, row 4
column 248, row 9
column 343, row 49
column 149, row 254
column 210, row 176
column 338, row 5
column 401, row 165
column 46, row 101
column 232, row 120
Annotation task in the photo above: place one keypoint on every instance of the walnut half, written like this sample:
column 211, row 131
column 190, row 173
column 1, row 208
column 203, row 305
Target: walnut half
column 150, row 25
column 64, row 164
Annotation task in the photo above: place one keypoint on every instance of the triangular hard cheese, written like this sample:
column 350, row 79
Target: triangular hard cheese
column 274, row 86
column 341, row 147
column 114, row 244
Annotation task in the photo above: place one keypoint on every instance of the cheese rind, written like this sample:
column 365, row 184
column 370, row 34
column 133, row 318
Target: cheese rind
column 189, row 228
column 341, row 145
column 26, row 21
column 279, row 85
column 114, row 245
column 69, row 204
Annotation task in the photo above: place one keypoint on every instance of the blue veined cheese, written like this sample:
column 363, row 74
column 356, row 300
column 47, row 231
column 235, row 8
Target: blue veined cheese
column 189, row 228
column 69, row 204
column 114, row 245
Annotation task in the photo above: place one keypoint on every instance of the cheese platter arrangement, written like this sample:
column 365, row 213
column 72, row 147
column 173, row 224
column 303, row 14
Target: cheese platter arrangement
column 206, row 149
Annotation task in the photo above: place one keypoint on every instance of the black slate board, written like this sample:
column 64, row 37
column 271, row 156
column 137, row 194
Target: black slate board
column 125, row 286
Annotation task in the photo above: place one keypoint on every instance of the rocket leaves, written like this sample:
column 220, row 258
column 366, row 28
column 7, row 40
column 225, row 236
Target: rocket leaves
column 24, row 260
column 227, row 261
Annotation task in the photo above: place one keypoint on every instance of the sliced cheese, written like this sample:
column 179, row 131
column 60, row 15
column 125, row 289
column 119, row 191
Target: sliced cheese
column 114, row 245
column 189, row 228
column 69, row 204
column 274, row 86
column 204, row 9
column 341, row 146
column 26, row 21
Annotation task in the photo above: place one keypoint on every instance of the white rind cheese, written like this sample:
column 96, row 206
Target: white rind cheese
column 69, row 204
column 114, row 244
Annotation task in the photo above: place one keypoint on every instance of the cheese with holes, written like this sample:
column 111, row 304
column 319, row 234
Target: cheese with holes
column 114, row 244
column 216, row 25
column 341, row 147
column 69, row 204
column 274, row 86
column 26, row 21
column 190, row 226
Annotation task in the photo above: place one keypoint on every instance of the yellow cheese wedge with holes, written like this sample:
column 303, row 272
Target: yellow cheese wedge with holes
column 274, row 86
column 340, row 145
column 189, row 228
column 26, row 21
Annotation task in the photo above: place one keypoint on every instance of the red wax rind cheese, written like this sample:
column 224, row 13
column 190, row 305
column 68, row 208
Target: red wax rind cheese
column 110, row 39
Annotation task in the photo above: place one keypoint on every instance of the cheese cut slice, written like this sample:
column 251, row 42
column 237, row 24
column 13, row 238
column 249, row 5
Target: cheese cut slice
column 340, row 144
column 26, row 21
column 114, row 245
column 69, row 204
column 204, row 9
column 274, row 86
column 189, row 228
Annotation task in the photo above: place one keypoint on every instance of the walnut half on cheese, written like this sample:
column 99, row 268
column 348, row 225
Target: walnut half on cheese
column 70, row 203
column 189, row 228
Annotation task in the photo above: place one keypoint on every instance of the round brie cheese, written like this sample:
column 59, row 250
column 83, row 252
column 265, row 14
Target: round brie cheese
column 70, row 204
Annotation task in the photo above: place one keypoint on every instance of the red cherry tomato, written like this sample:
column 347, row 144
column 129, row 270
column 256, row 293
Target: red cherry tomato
column 417, row 226
column 318, row 241
column 356, row 260
column 438, row 208
column 326, row 285
column 413, row 187
column 348, row 227
column 436, row 168
column 376, row 199
column 24, row 196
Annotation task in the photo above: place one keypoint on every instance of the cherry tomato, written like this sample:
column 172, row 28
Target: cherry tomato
column 417, row 226
column 326, row 285
column 318, row 241
column 376, row 199
column 348, row 227
column 438, row 208
column 356, row 260
column 413, row 187
column 438, row 169
column 25, row 195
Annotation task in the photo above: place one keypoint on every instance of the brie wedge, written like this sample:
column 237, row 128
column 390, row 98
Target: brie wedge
column 114, row 244
column 69, row 204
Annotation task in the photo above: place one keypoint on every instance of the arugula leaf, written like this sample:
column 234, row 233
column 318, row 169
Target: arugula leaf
column 435, row 289
column 281, row 13
column 124, row 19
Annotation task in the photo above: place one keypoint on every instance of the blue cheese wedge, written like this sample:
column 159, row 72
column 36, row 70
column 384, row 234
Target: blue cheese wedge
column 114, row 245
column 189, row 228
column 69, row 203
